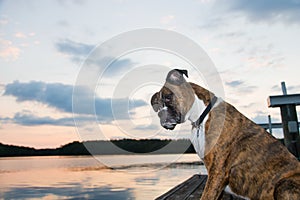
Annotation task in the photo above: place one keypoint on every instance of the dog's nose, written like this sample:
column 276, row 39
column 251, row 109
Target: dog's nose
column 166, row 120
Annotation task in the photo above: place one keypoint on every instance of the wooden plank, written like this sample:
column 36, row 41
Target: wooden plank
column 185, row 189
column 191, row 189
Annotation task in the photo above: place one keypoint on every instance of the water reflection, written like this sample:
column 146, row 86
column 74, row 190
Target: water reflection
column 76, row 192
column 85, row 178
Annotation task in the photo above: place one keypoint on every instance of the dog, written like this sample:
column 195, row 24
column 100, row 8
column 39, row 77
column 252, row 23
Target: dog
column 238, row 154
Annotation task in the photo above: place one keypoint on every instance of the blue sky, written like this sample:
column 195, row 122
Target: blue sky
column 253, row 44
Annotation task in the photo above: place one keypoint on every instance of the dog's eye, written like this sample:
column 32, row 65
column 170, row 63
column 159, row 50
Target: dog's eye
column 168, row 98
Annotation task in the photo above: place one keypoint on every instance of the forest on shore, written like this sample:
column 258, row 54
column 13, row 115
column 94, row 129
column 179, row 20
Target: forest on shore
column 112, row 147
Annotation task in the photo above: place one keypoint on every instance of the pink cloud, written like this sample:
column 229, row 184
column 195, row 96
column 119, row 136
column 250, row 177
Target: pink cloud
column 8, row 51
column 167, row 19
column 20, row 35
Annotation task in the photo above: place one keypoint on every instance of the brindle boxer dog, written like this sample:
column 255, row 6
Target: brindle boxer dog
column 236, row 152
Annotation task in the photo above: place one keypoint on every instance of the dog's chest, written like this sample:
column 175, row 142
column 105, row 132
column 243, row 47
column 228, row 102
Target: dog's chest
column 198, row 139
column 198, row 133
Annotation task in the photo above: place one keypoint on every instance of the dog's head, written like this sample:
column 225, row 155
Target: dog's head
column 174, row 100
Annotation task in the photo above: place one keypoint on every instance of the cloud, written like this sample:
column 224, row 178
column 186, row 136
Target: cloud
column 291, row 89
column 26, row 118
column 167, row 19
column 267, row 10
column 240, row 86
column 247, row 89
column 55, row 95
column 74, row 48
column 32, row 120
column 147, row 127
column 260, row 117
column 213, row 22
column 20, row 35
column 232, row 34
column 8, row 51
column 116, row 67
column 24, row 35
column 234, row 83
column 63, row 23
column 59, row 96
column 71, row 3
column 78, row 51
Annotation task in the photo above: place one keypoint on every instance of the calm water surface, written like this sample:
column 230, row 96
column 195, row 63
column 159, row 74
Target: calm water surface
column 84, row 177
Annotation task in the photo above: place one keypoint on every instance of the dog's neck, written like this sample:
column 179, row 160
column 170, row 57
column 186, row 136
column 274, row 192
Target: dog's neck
column 196, row 110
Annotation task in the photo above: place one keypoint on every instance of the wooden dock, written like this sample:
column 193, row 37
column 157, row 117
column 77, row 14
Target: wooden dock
column 192, row 189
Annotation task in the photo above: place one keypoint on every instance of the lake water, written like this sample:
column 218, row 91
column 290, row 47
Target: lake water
column 85, row 177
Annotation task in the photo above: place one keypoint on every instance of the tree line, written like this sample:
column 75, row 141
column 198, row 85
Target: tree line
column 123, row 146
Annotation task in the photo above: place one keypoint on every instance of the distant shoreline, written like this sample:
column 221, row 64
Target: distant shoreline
column 119, row 147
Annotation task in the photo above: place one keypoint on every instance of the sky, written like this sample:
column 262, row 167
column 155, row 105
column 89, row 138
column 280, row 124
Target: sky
column 44, row 46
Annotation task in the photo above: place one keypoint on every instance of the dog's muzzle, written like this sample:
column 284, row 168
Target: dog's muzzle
column 168, row 118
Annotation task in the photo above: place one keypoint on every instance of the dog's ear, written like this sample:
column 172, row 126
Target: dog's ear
column 156, row 105
column 175, row 76
column 183, row 72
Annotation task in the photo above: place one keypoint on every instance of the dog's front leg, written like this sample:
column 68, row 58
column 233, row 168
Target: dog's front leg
column 214, row 187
